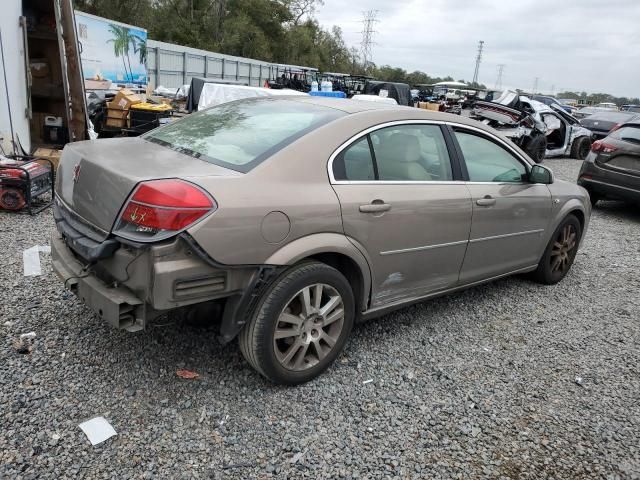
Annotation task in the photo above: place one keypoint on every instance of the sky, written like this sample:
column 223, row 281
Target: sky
column 575, row 45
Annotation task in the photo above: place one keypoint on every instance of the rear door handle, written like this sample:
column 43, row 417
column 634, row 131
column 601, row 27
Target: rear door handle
column 487, row 201
column 377, row 206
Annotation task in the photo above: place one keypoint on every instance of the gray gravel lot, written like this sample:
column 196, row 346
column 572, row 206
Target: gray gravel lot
column 481, row 384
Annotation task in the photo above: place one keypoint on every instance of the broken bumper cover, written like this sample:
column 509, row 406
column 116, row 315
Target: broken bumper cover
column 157, row 279
column 116, row 305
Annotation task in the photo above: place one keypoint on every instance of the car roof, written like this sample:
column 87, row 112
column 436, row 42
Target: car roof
column 614, row 115
column 388, row 113
column 345, row 105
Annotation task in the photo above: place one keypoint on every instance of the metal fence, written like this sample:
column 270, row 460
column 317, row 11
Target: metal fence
column 172, row 66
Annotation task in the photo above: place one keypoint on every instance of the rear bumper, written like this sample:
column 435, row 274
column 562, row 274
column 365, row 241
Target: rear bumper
column 135, row 285
column 116, row 305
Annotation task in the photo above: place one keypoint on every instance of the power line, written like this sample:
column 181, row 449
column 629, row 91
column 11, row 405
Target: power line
column 478, row 60
column 369, row 19
column 498, row 85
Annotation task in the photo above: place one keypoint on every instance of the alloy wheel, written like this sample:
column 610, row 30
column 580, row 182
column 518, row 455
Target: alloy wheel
column 308, row 327
column 563, row 247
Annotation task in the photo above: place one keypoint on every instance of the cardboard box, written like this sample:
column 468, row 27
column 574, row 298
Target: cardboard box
column 113, row 112
column 124, row 99
column 433, row 106
column 116, row 122
column 39, row 68
column 50, row 154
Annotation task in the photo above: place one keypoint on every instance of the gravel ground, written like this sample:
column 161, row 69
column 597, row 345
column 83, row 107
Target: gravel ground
column 508, row 380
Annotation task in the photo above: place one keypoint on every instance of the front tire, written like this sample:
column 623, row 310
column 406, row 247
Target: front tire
column 560, row 253
column 300, row 325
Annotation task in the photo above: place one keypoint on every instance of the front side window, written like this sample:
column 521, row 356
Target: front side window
column 489, row 162
column 239, row 135
column 411, row 153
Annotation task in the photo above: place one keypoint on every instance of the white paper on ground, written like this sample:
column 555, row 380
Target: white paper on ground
column 97, row 430
column 31, row 259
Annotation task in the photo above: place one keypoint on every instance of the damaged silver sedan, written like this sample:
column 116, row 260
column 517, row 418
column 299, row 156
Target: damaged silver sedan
column 540, row 130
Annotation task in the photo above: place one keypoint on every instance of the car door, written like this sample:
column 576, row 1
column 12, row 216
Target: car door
column 510, row 214
column 403, row 201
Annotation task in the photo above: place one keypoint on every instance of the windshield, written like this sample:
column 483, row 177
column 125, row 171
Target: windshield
column 240, row 135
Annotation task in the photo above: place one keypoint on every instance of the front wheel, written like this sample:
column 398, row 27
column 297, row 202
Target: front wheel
column 560, row 252
column 300, row 325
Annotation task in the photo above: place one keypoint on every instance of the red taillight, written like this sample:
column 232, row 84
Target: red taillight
column 601, row 147
column 159, row 208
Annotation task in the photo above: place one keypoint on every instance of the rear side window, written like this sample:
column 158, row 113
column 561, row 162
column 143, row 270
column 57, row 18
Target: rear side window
column 401, row 153
column 240, row 135
column 628, row 134
column 487, row 161
column 355, row 163
column 411, row 153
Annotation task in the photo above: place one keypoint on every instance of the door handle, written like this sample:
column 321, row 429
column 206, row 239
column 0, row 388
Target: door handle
column 487, row 201
column 377, row 206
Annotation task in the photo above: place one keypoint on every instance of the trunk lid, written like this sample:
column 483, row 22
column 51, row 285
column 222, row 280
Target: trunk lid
column 95, row 178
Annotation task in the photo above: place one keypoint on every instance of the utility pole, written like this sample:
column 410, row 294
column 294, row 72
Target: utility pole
column 553, row 90
column 535, row 85
column 498, row 85
column 478, row 60
column 369, row 19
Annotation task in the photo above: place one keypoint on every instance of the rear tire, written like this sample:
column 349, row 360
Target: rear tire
column 300, row 325
column 580, row 148
column 560, row 253
column 537, row 148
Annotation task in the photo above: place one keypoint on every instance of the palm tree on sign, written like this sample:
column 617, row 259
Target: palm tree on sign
column 121, row 40
column 140, row 47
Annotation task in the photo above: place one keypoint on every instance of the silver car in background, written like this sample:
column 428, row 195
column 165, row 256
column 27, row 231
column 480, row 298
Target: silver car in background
column 296, row 217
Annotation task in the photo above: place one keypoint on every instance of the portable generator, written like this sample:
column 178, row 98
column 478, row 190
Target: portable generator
column 25, row 184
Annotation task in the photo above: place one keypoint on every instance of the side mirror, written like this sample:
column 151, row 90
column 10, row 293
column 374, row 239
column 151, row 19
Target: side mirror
column 541, row 174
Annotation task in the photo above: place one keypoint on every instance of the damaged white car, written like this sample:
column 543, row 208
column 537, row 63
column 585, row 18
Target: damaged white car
column 540, row 130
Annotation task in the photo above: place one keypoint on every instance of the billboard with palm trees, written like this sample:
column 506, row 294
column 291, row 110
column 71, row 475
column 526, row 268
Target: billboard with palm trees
column 112, row 50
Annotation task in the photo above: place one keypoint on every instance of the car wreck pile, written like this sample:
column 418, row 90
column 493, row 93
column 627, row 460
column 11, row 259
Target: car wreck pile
column 540, row 130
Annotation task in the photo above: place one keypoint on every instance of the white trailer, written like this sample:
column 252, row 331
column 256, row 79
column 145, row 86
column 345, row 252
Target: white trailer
column 40, row 76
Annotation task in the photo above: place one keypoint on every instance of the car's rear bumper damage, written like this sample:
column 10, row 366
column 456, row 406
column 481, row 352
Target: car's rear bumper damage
column 137, row 282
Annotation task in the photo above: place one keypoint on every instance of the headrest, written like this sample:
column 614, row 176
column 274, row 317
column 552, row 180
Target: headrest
column 406, row 148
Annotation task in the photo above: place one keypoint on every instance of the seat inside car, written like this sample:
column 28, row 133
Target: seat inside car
column 398, row 158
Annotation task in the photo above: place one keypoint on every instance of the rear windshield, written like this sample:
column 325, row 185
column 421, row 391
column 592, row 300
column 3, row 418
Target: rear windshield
column 239, row 135
column 628, row 134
